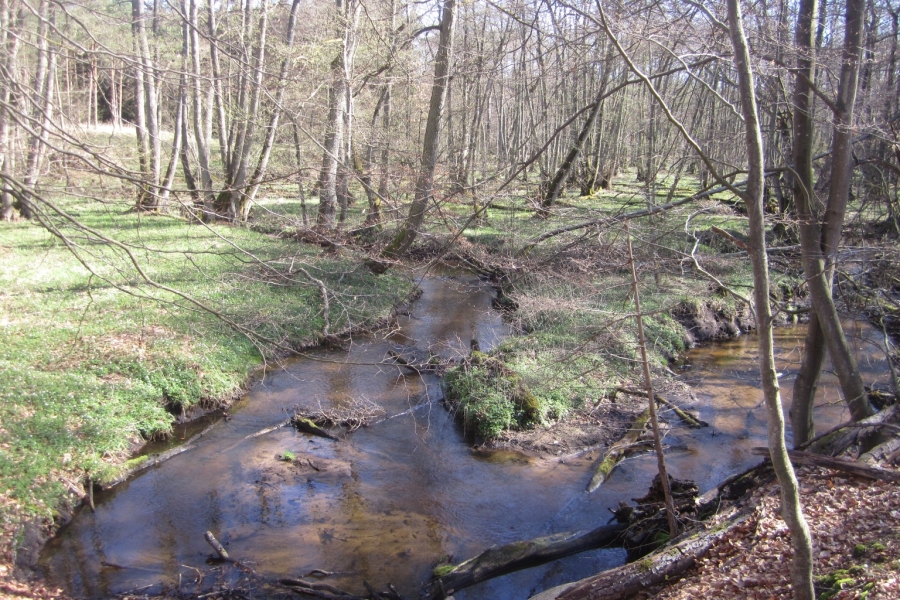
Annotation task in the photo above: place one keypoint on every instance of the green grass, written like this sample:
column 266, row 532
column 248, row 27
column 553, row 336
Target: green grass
column 576, row 335
column 95, row 360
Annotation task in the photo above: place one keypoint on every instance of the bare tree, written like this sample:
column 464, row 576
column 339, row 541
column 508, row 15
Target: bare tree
column 425, row 180
column 791, row 509
column 820, row 239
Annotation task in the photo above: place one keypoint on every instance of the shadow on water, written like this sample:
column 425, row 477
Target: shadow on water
column 388, row 501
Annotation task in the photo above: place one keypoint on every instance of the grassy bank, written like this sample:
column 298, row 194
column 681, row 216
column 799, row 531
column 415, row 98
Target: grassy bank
column 94, row 359
column 576, row 338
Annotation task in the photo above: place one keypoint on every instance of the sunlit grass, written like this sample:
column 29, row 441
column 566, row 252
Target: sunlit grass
column 94, row 359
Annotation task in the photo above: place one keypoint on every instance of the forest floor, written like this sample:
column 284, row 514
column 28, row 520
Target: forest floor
column 855, row 525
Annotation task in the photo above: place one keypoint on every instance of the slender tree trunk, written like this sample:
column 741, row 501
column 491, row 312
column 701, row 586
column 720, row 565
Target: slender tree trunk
column 558, row 183
column 272, row 129
column 218, row 93
column 425, row 181
column 232, row 202
column 334, row 146
column 200, row 136
column 42, row 104
column 819, row 243
column 151, row 201
column 648, row 385
column 334, row 131
column 298, row 153
column 791, row 510
column 144, row 110
column 10, row 27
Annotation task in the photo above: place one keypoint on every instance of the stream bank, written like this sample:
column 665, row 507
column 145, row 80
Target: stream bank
column 389, row 500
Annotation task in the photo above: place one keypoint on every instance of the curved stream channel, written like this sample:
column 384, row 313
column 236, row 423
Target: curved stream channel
column 391, row 499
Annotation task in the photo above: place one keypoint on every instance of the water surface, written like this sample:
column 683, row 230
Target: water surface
column 388, row 501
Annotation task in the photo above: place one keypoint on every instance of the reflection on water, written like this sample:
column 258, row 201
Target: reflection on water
column 387, row 502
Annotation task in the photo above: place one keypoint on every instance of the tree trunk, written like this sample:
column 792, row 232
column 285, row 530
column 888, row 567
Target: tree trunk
column 628, row 580
column 558, row 183
column 9, row 36
column 819, row 243
column 334, row 128
column 791, row 510
column 232, row 202
column 261, row 165
column 218, row 93
column 42, row 104
column 200, row 137
column 425, row 181
column 149, row 200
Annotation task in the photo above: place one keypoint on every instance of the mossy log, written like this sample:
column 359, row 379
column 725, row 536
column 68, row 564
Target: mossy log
column 627, row 580
column 516, row 556
column 137, row 465
column 685, row 416
column 618, row 451
column 308, row 426
column 521, row 395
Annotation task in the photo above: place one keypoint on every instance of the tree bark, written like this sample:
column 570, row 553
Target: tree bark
column 791, row 510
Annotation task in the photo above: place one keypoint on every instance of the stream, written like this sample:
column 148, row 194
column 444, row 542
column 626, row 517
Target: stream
column 388, row 501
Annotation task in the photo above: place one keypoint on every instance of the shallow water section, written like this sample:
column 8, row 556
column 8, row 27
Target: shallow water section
column 389, row 500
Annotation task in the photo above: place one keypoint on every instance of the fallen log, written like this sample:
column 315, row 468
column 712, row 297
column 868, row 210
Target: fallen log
column 848, row 466
column 308, row 426
column 883, row 453
column 323, row 590
column 516, row 556
column 618, row 451
column 832, row 442
column 155, row 459
column 219, row 548
column 685, row 416
column 627, row 580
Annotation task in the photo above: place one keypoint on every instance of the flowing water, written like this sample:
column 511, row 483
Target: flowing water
column 388, row 501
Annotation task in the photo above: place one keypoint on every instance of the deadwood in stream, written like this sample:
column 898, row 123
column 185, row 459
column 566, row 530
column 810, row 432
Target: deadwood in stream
column 627, row 580
column 619, row 450
column 685, row 416
column 516, row 556
column 154, row 459
column 849, row 466
column 306, row 425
